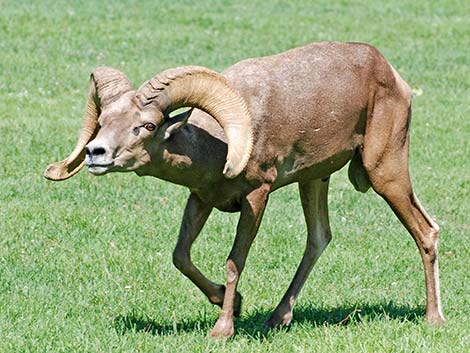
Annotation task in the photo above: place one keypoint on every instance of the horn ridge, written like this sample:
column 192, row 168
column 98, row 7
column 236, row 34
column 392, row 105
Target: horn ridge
column 110, row 84
column 202, row 88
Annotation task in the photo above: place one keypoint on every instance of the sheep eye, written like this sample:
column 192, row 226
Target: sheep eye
column 149, row 126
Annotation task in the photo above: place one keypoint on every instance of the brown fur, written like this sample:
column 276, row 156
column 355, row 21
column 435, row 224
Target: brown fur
column 314, row 109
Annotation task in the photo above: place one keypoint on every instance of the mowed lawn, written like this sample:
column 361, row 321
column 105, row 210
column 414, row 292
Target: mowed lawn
column 85, row 264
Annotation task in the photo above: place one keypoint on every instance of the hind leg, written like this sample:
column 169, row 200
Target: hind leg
column 385, row 159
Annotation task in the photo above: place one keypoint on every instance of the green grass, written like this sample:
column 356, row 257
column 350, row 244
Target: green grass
column 85, row 265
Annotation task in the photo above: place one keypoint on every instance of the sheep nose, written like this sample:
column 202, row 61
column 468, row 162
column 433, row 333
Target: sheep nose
column 95, row 151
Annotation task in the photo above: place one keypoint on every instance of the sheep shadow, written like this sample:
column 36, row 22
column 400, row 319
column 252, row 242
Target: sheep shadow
column 252, row 324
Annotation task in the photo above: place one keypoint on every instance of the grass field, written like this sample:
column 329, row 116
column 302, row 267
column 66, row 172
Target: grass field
column 85, row 265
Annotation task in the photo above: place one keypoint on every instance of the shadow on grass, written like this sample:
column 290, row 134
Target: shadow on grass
column 252, row 324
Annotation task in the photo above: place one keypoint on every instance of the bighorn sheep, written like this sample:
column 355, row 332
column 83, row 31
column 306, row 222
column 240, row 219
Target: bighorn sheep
column 297, row 116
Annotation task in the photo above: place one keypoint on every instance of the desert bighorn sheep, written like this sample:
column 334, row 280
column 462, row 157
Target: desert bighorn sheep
column 298, row 116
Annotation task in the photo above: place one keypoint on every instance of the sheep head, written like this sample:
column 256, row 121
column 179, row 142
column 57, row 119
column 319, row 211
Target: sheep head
column 120, row 125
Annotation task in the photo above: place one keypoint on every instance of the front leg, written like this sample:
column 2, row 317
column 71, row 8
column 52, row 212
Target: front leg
column 195, row 216
column 314, row 196
column 250, row 218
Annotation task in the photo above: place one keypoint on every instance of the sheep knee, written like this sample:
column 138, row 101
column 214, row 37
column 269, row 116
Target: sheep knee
column 181, row 260
column 430, row 244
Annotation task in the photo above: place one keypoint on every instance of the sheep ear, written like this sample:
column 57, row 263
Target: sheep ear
column 181, row 120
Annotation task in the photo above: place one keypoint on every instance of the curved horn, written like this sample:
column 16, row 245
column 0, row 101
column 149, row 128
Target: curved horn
column 199, row 87
column 106, row 86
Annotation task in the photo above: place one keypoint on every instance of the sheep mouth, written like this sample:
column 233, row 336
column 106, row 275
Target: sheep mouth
column 99, row 169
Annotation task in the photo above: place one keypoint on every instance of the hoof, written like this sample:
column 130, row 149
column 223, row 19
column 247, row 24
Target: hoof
column 223, row 329
column 276, row 320
column 437, row 319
